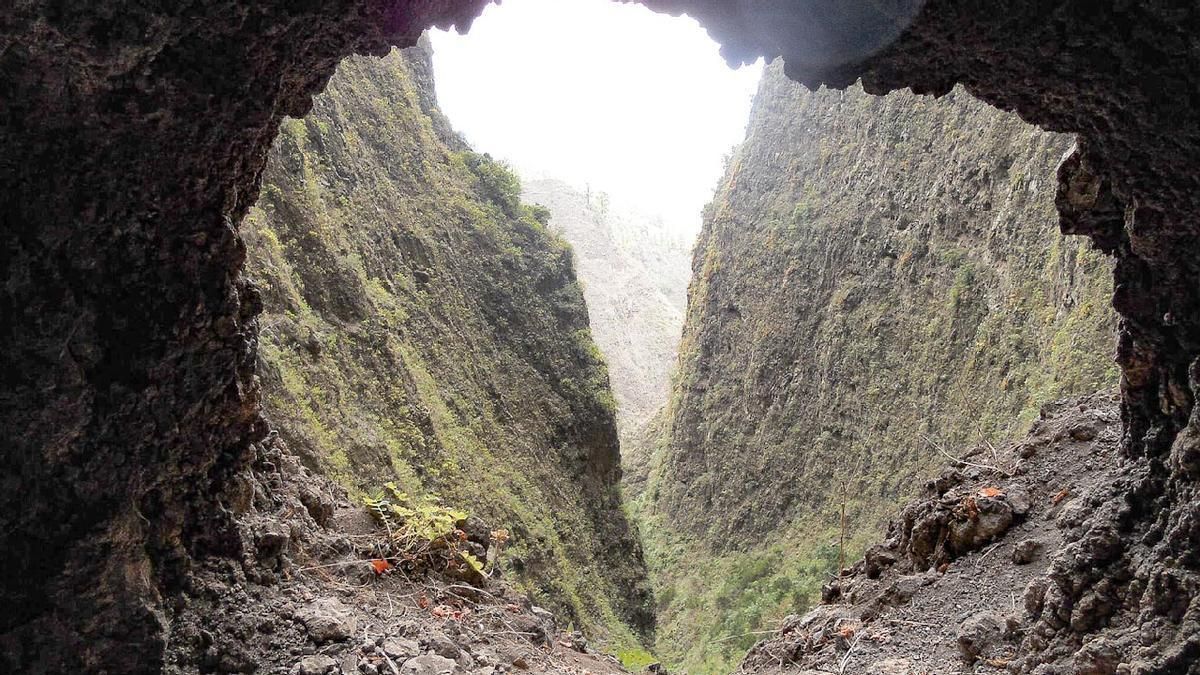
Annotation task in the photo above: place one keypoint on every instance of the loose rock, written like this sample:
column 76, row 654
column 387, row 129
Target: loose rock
column 317, row 664
column 979, row 634
column 1025, row 551
column 327, row 620
column 429, row 664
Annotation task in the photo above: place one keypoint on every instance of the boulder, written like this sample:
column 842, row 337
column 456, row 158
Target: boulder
column 429, row 664
column 327, row 620
column 979, row 634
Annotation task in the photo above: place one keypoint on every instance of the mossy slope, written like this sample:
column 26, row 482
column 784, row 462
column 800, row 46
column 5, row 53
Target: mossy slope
column 422, row 326
column 876, row 277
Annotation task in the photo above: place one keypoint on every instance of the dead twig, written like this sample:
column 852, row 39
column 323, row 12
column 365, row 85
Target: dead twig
column 846, row 658
column 960, row 460
column 986, row 554
column 912, row 623
column 391, row 664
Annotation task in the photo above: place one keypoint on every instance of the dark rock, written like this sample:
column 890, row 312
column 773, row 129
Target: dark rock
column 979, row 634
column 1083, row 432
column 1025, row 551
column 271, row 540
column 317, row 664
column 441, row 645
column 878, row 558
column 979, row 521
column 318, row 504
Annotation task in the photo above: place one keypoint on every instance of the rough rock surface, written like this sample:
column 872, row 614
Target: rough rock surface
column 323, row 610
column 134, row 139
column 877, row 278
column 135, row 136
column 1122, row 76
column 926, row 601
column 422, row 326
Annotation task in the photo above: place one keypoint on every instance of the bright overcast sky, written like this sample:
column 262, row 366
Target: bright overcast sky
column 634, row 103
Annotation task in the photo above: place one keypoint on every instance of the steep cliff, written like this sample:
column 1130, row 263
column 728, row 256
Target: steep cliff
column 877, row 278
column 635, row 273
column 423, row 326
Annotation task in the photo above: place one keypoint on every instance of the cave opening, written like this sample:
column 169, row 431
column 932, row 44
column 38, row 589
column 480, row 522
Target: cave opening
column 131, row 407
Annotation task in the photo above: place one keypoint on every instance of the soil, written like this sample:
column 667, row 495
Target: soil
column 306, row 599
column 956, row 588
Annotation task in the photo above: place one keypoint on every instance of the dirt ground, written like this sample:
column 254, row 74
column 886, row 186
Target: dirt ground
column 957, row 584
column 307, row 600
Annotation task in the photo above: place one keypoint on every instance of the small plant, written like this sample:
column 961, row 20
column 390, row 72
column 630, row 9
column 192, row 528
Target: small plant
column 423, row 533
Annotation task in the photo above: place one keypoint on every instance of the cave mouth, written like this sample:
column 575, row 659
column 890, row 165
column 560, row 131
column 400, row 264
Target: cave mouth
column 128, row 349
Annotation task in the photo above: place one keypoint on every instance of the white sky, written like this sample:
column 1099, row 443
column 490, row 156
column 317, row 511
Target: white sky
column 634, row 103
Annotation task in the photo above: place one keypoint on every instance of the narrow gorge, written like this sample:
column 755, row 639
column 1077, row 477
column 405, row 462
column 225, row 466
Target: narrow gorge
column 295, row 379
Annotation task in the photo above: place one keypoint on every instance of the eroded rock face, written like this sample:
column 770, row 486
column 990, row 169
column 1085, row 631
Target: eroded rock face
column 134, row 137
column 1123, row 77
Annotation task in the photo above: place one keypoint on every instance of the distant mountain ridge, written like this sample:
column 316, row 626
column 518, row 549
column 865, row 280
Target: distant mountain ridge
column 635, row 271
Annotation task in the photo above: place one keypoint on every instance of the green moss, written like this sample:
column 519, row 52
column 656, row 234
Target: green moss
column 423, row 327
column 635, row 659
column 872, row 277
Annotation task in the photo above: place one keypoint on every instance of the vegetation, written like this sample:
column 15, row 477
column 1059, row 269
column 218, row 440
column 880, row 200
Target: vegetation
column 875, row 275
column 424, row 329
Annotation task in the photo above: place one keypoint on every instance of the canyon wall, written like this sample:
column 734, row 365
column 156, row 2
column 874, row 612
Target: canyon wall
column 423, row 326
column 136, row 136
column 878, row 280
column 635, row 271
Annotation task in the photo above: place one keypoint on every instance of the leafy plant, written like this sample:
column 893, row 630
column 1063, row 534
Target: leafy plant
column 423, row 533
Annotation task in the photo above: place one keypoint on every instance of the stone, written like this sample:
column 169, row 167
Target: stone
column 400, row 648
column 514, row 657
column 989, row 518
column 878, row 558
column 319, row 505
column 1083, row 432
column 327, row 620
column 429, row 664
column 534, row 630
column 441, row 645
column 979, row 634
column 317, row 664
column 1025, row 551
column 270, row 540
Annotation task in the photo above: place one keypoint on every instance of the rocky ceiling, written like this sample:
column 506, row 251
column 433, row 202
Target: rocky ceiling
column 133, row 139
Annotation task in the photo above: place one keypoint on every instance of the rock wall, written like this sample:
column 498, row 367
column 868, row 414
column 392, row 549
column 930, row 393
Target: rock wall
column 422, row 326
column 135, row 136
column 635, row 271
column 877, row 278
column 1122, row 77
